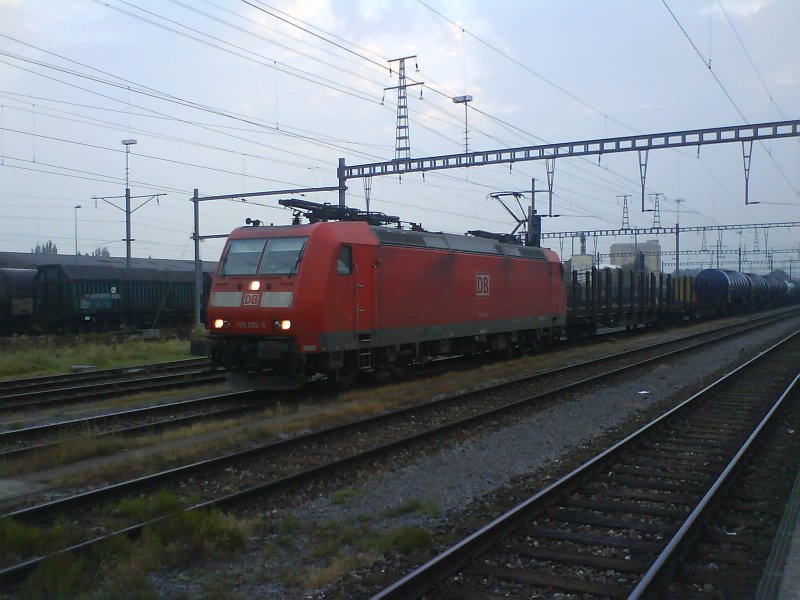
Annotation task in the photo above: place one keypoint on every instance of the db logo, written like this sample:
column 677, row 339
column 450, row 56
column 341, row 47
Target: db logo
column 482, row 284
column 250, row 299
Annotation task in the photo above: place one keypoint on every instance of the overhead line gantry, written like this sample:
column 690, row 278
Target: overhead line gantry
column 636, row 231
column 745, row 134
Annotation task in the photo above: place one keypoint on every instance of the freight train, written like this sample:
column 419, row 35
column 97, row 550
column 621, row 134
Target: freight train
column 352, row 292
column 56, row 298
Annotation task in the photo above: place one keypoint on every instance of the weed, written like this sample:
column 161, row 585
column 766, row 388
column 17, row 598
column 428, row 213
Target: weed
column 220, row 587
column 342, row 496
column 134, row 587
column 145, row 508
column 194, row 534
column 336, row 568
column 65, row 453
column 426, row 507
column 18, row 540
column 61, row 576
column 289, row 524
column 330, row 537
column 404, row 540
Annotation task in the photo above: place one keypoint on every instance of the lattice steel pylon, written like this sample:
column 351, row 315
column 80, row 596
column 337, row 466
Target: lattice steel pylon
column 626, row 224
column 657, row 213
column 402, row 148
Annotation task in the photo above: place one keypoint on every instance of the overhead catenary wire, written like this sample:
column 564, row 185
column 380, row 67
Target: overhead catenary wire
column 707, row 63
column 750, row 60
column 602, row 179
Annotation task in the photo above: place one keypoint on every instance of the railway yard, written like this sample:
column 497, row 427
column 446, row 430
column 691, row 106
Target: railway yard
column 417, row 300
column 163, row 482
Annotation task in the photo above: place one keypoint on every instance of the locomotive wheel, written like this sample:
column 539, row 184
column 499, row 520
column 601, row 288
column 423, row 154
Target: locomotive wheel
column 345, row 377
column 398, row 370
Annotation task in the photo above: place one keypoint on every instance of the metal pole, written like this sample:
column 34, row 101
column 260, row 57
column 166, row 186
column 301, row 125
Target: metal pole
column 342, row 182
column 198, row 267
column 76, row 232
column 128, row 240
column 677, row 247
column 127, row 228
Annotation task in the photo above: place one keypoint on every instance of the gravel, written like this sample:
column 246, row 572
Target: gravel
column 450, row 479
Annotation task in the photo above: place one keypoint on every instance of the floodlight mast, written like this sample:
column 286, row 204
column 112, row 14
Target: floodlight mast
column 465, row 100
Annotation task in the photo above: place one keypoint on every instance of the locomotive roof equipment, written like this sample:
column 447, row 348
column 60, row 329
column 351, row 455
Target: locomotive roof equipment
column 316, row 212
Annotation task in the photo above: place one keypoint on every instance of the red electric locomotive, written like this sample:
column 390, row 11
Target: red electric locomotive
column 341, row 297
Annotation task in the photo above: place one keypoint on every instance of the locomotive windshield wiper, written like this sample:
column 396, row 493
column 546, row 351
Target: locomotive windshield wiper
column 293, row 270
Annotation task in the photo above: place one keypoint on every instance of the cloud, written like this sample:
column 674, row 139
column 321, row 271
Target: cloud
column 741, row 8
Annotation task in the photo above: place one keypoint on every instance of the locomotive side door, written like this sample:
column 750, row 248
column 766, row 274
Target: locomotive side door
column 365, row 292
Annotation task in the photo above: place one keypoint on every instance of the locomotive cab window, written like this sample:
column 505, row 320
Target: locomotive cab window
column 282, row 256
column 242, row 257
column 344, row 264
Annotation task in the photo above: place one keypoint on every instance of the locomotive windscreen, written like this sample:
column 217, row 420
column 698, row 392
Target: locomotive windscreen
column 282, row 256
column 242, row 257
column 273, row 256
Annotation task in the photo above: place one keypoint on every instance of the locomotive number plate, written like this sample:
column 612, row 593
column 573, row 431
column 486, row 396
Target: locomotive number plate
column 482, row 284
column 251, row 299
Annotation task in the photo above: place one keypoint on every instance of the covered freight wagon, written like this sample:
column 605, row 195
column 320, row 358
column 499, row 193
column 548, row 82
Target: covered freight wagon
column 72, row 296
column 16, row 299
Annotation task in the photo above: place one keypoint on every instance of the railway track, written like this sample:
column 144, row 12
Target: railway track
column 622, row 524
column 17, row 443
column 315, row 455
column 64, row 379
column 44, row 392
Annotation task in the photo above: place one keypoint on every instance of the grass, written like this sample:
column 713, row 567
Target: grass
column 28, row 356
column 342, row 497
column 426, row 507
column 123, row 564
column 18, row 540
column 71, row 449
column 195, row 534
column 404, row 540
column 340, row 548
column 145, row 508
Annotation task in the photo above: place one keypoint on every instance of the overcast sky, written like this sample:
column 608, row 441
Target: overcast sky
column 235, row 96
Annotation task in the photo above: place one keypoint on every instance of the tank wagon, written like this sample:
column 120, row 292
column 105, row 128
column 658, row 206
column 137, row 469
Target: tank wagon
column 16, row 300
column 721, row 287
column 341, row 297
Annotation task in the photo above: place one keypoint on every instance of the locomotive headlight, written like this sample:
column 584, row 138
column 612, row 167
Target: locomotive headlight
column 254, row 286
column 284, row 325
column 218, row 323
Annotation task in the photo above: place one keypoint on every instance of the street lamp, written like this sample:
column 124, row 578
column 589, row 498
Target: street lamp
column 128, row 240
column 76, row 207
column 464, row 100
